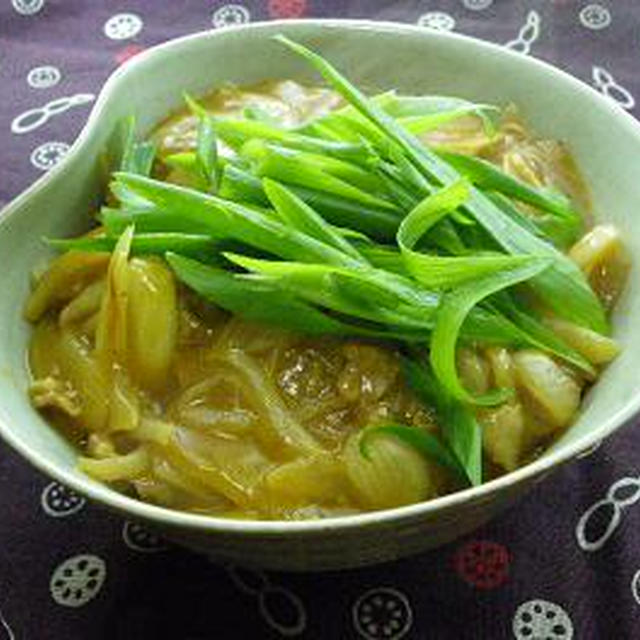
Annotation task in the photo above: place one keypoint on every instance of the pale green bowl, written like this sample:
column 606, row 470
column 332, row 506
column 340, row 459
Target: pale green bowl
column 604, row 139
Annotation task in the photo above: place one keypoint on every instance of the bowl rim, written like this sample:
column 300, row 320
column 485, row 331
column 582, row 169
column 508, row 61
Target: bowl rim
column 270, row 528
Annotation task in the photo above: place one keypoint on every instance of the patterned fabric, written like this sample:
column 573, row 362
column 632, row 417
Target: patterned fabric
column 563, row 564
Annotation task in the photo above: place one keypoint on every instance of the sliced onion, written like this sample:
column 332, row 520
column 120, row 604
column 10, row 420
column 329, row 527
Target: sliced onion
column 393, row 474
column 551, row 391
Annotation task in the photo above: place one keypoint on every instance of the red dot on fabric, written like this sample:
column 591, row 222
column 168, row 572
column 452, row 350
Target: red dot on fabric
column 126, row 53
column 483, row 564
column 287, row 8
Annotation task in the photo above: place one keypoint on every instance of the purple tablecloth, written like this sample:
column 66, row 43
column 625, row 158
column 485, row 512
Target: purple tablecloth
column 564, row 563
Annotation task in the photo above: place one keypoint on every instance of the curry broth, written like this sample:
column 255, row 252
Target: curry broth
column 248, row 421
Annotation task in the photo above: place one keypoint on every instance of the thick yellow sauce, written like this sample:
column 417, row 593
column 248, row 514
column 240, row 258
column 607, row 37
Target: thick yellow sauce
column 245, row 421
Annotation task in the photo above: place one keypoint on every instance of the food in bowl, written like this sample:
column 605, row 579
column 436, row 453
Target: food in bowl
column 303, row 302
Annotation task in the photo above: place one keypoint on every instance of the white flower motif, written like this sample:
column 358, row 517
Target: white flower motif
column 229, row 15
column 58, row 501
column 123, row 26
column 382, row 612
column 77, row 580
column 595, row 16
column 27, row 7
column 477, row 5
column 43, row 77
column 437, row 20
column 138, row 538
column 48, row 155
column 541, row 619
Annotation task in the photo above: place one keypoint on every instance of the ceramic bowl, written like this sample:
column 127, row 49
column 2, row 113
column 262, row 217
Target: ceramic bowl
column 604, row 139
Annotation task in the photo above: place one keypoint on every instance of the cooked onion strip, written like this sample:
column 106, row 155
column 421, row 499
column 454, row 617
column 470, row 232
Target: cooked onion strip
column 65, row 278
column 280, row 423
column 84, row 305
column 124, row 467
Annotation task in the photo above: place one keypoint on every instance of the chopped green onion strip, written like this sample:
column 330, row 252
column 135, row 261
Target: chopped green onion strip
column 259, row 114
column 366, row 293
column 207, row 152
column 453, row 309
column 197, row 245
column 301, row 216
column 187, row 164
column 487, row 176
column 252, row 299
column 540, row 336
column 580, row 305
column 437, row 271
column 267, row 162
column 260, row 300
column 430, row 211
column 458, row 424
column 137, row 157
column 194, row 106
column 421, row 124
column 403, row 106
column 237, row 132
column 226, row 219
column 375, row 295
column 185, row 160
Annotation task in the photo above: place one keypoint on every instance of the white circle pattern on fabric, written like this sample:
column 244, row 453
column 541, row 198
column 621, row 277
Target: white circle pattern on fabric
column 138, row 538
column 477, row 5
column 437, row 20
column 541, row 620
column 44, row 77
column 607, row 84
column 230, row 15
column 528, row 34
column 77, row 580
column 595, row 16
column 271, row 600
column 621, row 494
column 27, row 7
column 123, row 26
column 382, row 613
column 59, row 501
column 33, row 119
column 47, row 155
column 6, row 628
